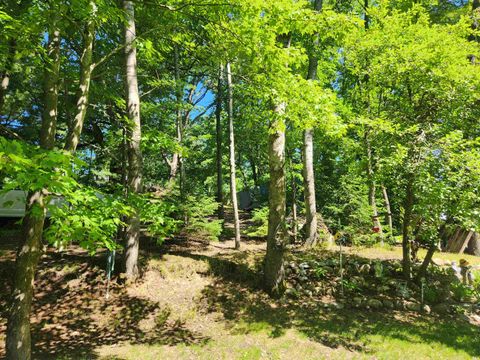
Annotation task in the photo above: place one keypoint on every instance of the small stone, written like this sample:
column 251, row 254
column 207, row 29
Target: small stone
column 374, row 303
column 410, row 305
column 426, row 309
column 383, row 289
column 399, row 305
column 357, row 301
column 364, row 269
column 441, row 308
column 308, row 293
column 388, row 304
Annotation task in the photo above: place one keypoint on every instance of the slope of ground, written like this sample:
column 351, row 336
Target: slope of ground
column 203, row 301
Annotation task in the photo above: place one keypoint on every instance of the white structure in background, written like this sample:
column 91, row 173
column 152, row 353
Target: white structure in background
column 12, row 203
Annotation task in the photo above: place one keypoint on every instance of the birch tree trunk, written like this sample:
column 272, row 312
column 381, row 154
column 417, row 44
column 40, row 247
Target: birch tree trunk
column 18, row 340
column 233, row 178
column 218, row 128
column 86, row 68
column 134, row 183
column 311, row 231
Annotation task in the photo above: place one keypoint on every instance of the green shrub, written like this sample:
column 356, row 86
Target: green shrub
column 198, row 214
column 159, row 216
column 260, row 223
column 87, row 216
column 462, row 292
column 431, row 295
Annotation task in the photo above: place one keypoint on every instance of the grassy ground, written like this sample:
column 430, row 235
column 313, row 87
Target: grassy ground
column 203, row 301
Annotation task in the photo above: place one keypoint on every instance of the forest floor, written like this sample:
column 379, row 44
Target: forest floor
column 198, row 300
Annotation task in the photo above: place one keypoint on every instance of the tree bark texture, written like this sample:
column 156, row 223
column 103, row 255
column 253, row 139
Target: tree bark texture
column 218, row 129
column 18, row 342
column 426, row 261
column 407, row 228
column 233, row 179
column 388, row 211
column 371, row 184
column 311, row 231
column 277, row 235
column 176, row 157
column 135, row 161
column 86, row 68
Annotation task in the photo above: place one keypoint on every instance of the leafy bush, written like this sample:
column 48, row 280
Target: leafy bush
column 87, row 216
column 84, row 214
column 198, row 221
column 462, row 292
column 260, row 223
column 431, row 295
column 159, row 216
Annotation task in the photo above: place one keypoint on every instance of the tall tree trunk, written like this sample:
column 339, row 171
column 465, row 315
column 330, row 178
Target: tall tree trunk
column 311, row 233
column 18, row 328
column 368, row 148
column 86, row 68
column 176, row 160
column 294, row 208
column 5, row 75
column 371, row 184
column 277, row 235
column 218, row 128
column 135, row 165
column 233, row 178
column 254, row 171
column 407, row 228
column 388, row 211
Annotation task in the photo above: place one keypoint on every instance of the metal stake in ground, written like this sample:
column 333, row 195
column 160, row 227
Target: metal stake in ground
column 110, row 268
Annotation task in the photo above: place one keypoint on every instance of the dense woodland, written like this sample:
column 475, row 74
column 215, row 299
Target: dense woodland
column 345, row 121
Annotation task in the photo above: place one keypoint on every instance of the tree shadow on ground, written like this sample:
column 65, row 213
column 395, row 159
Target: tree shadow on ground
column 236, row 293
column 71, row 317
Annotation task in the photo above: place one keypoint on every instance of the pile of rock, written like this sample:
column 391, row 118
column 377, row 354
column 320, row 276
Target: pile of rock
column 367, row 284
